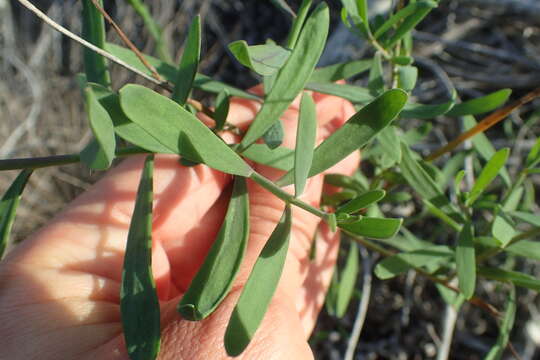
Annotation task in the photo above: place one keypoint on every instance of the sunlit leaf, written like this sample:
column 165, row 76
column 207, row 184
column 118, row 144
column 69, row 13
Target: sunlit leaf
column 8, row 206
column 218, row 272
column 352, row 93
column 356, row 132
column 259, row 288
column 376, row 228
column 483, row 146
column 179, row 130
column 293, row 76
column 503, row 230
column 332, row 73
column 466, row 261
column 407, row 76
column 298, row 23
column 305, row 142
column 278, row 158
column 187, row 70
column 139, row 305
column 362, row 201
column 481, row 104
column 99, row 154
column 514, row 277
column 401, row 262
column 263, row 59
column 489, row 172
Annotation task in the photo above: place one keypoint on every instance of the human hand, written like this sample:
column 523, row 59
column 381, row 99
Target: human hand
column 59, row 289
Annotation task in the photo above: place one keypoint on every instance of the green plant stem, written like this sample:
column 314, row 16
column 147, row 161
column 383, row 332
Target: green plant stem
column 285, row 196
column 515, row 185
column 444, row 282
column 57, row 160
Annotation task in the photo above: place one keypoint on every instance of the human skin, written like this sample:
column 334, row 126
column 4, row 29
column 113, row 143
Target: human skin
column 59, row 289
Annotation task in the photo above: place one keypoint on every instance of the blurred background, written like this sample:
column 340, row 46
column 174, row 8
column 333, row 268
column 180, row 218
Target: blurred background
column 480, row 45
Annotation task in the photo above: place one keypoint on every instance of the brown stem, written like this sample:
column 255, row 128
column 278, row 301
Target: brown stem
column 128, row 42
column 485, row 124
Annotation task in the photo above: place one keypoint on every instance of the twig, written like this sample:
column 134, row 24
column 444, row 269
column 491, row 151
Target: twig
column 449, row 325
column 485, row 124
column 128, row 42
column 27, row 4
column 362, row 307
column 476, row 301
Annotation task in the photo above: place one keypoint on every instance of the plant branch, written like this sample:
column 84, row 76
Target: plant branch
column 57, row 160
column 485, row 124
column 444, row 282
column 126, row 41
column 285, row 196
column 27, row 4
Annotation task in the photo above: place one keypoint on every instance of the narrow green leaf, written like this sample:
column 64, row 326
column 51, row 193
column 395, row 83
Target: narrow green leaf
column 293, row 76
column 389, row 142
column 466, row 261
column 407, row 76
column 399, row 263
column 527, row 248
column 179, row 130
column 222, row 109
column 422, row 9
column 394, row 19
column 169, row 72
column 128, row 130
column 483, row 146
column 153, row 28
column 531, row 218
column 507, row 324
column 332, row 73
column 502, row 230
column 8, row 207
column 279, row 158
column 514, row 277
column 489, row 172
column 421, row 111
column 100, row 154
column 402, row 60
column 362, row 201
column 434, row 210
column 259, row 288
column 305, row 142
column 352, row 93
column 376, row 228
column 139, row 304
column 533, row 158
column 283, row 6
column 298, row 23
column 273, row 137
column 264, row 59
column 347, row 281
column 482, row 104
column 357, row 10
column 355, row 133
column 93, row 30
column 376, row 79
column 188, row 64
column 344, row 181
column 424, row 185
column 337, row 198
column 218, row 272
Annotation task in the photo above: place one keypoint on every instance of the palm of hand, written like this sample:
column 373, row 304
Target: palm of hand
column 59, row 294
